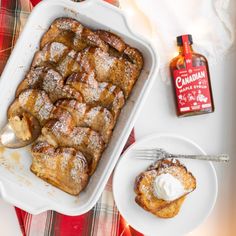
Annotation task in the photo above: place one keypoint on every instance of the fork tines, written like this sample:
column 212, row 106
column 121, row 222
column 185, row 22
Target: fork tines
column 157, row 153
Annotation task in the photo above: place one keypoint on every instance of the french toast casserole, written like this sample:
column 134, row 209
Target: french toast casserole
column 77, row 84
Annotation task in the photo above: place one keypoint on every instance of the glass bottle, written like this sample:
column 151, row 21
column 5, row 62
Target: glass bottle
column 191, row 80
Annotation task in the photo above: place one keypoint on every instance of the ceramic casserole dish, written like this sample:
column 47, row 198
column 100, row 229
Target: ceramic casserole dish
column 18, row 185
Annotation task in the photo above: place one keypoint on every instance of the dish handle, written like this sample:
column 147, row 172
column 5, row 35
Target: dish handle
column 116, row 18
column 23, row 200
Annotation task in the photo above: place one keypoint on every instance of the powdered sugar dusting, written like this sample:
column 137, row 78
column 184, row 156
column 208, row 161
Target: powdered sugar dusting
column 93, row 96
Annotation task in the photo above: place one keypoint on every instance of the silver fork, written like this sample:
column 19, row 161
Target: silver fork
column 159, row 154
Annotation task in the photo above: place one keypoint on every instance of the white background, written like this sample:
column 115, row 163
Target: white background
column 215, row 133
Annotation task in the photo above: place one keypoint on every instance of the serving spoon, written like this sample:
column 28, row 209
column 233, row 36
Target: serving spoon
column 9, row 139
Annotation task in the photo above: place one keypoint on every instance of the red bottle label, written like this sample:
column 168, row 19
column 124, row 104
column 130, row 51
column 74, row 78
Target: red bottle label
column 192, row 89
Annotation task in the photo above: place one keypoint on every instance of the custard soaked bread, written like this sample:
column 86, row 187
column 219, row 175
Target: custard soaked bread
column 49, row 80
column 75, row 89
column 58, row 56
column 63, row 167
column 162, row 188
column 94, row 93
column 83, row 139
column 73, row 34
column 34, row 102
column 29, row 112
column 97, row 118
column 121, row 71
column 62, row 131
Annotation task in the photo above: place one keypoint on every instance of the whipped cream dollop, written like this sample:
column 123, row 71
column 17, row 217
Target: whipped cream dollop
column 167, row 187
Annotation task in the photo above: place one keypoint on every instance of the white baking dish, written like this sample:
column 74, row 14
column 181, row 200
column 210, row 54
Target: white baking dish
column 17, row 184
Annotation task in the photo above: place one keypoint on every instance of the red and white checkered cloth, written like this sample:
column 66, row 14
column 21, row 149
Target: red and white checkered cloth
column 104, row 219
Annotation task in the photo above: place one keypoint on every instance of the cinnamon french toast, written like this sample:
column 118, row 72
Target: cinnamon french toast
column 62, row 130
column 96, row 93
column 29, row 112
column 58, row 56
column 73, row 34
column 145, row 189
column 63, row 167
column 112, row 40
column 34, row 102
column 97, row 118
column 74, row 91
column 83, row 139
column 121, row 71
column 49, row 80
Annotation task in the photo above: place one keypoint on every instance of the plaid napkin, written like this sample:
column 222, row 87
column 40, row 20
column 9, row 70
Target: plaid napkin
column 104, row 219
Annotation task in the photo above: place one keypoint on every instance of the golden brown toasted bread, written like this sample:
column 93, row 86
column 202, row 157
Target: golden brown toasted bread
column 29, row 112
column 122, row 72
column 86, row 140
column 63, row 167
column 112, row 40
column 73, row 34
column 33, row 101
column 97, row 118
column 51, row 52
column 22, row 124
column 58, row 56
column 145, row 192
column 96, row 93
column 73, row 94
column 49, row 80
column 172, row 209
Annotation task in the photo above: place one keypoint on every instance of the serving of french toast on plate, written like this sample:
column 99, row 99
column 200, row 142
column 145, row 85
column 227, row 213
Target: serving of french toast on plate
column 163, row 187
column 162, row 193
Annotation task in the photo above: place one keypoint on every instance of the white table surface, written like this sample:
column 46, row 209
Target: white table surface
column 215, row 133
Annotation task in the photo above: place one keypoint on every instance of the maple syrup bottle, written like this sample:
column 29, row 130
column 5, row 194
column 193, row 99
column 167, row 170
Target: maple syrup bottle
column 191, row 80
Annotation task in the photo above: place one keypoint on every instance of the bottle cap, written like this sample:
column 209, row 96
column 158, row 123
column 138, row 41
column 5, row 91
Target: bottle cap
column 180, row 40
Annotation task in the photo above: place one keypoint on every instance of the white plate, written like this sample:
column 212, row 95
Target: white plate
column 195, row 208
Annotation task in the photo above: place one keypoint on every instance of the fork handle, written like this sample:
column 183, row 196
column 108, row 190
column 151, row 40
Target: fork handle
column 217, row 158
